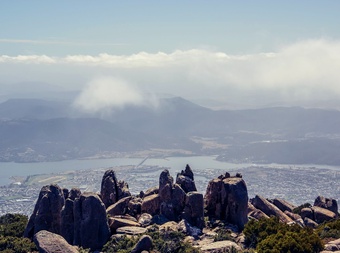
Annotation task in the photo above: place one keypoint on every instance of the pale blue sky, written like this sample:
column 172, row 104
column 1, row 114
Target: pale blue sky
column 59, row 28
column 242, row 54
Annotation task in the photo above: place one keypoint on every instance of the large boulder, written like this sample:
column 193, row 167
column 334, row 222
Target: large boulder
column 144, row 244
column 255, row 213
column 48, row 242
column 67, row 221
column 67, row 215
column 194, row 209
column 322, row 214
column 120, row 207
column 270, row 209
column 165, row 195
column 112, row 190
column 47, row 211
column 226, row 198
column 317, row 214
column 151, row 204
column 283, row 205
column 91, row 229
column 186, row 180
column 116, row 223
column 327, row 203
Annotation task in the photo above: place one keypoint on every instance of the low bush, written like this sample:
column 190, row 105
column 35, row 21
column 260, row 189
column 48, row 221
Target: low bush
column 272, row 236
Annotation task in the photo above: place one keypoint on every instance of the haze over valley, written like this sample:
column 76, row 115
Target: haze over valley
column 34, row 130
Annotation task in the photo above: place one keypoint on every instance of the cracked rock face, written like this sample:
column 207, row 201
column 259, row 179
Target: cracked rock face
column 226, row 198
column 47, row 211
column 113, row 190
column 91, row 228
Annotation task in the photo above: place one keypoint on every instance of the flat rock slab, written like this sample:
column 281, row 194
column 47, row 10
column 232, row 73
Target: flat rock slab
column 219, row 246
column 48, row 242
column 333, row 246
column 131, row 230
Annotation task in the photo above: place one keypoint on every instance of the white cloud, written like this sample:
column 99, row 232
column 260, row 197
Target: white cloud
column 104, row 93
column 306, row 70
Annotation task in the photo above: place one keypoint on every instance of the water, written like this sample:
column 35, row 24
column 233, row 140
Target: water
column 175, row 165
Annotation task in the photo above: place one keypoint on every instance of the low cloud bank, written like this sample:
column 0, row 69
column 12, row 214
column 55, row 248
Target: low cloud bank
column 304, row 71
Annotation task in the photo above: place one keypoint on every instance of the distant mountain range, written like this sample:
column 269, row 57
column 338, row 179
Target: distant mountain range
column 39, row 130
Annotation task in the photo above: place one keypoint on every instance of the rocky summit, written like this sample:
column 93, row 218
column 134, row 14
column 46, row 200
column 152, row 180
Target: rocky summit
column 88, row 220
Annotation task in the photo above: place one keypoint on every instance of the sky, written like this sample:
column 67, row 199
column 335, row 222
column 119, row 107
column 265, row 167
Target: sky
column 230, row 54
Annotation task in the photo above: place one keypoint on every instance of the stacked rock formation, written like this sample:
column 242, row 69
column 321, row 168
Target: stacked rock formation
column 47, row 211
column 324, row 209
column 112, row 190
column 226, row 199
column 88, row 219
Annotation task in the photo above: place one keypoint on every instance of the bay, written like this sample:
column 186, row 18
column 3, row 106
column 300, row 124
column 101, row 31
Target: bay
column 175, row 165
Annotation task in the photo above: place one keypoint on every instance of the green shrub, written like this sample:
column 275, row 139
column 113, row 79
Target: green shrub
column 222, row 235
column 123, row 244
column 164, row 242
column 16, row 244
column 13, row 224
column 12, row 228
column 330, row 229
column 270, row 235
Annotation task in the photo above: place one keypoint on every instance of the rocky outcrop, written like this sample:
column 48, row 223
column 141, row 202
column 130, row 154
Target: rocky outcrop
column 283, row 205
column 116, row 223
column 226, row 198
column 317, row 214
column 255, row 213
column 269, row 209
column 194, row 209
column 120, row 207
column 91, row 229
column 220, row 246
column 67, row 221
column 185, row 180
column 309, row 223
column 333, row 246
column 151, row 204
column 112, row 190
column 48, row 242
column 327, row 203
column 322, row 214
column 47, row 211
column 67, row 215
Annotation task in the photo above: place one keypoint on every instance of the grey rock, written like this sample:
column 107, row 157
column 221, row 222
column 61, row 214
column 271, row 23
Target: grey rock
column 194, row 209
column 120, row 207
column 131, row 230
column 47, row 211
column 151, row 204
column 67, row 221
column 112, row 190
column 144, row 243
column 226, row 198
column 91, row 224
column 48, row 242
column 145, row 219
column 283, row 205
column 74, row 193
column 322, row 214
column 185, row 227
column 310, row 223
column 269, row 209
column 327, row 203
column 186, row 180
